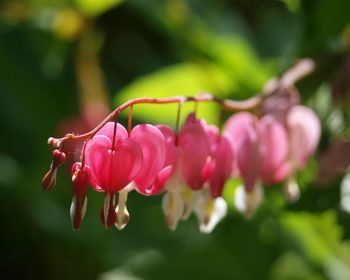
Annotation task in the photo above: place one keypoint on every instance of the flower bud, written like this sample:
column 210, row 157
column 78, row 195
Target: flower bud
column 80, row 178
column 49, row 179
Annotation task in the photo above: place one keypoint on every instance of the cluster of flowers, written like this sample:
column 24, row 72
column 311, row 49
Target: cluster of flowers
column 191, row 166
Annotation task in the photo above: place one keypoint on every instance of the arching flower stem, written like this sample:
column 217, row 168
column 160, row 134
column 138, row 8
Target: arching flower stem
column 298, row 71
column 130, row 119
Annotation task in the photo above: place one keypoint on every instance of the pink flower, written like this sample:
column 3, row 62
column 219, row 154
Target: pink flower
column 304, row 131
column 112, row 166
column 261, row 148
column 236, row 126
column 194, row 147
column 249, row 156
column 171, row 161
column 247, row 146
column 152, row 143
column 114, row 160
column 274, row 143
column 186, row 155
column 223, row 157
column 187, row 164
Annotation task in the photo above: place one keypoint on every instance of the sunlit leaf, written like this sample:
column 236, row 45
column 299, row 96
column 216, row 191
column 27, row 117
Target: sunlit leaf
column 182, row 79
column 237, row 58
column 316, row 235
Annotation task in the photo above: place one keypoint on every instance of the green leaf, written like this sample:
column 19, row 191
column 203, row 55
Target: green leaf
column 318, row 236
column 182, row 79
column 238, row 59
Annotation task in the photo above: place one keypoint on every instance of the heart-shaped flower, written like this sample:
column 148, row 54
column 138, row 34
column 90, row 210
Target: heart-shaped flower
column 274, row 142
column 304, row 131
column 152, row 143
column 224, row 158
column 195, row 149
column 112, row 166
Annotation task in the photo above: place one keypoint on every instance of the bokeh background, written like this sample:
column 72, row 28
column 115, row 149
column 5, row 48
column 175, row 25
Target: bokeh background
column 64, row 64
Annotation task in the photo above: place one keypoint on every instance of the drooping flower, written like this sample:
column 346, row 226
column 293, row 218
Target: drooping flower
column 243, row 128
column 262, row 151
column 274, row 143
column 304, row 131
column 113, row 165
column 194, row 144
column 114, row 160
column 262, row 148
column 152, row 143
column 223, row 157
column 237, row 126
column 81, row 177
column 188, row 154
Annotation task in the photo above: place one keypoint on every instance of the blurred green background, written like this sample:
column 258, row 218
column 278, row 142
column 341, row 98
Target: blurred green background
column 65, row 63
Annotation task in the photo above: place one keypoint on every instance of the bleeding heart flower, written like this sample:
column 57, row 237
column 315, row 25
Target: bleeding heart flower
column 274, row 143
column 194, row 144
column 171, row 163
column 223, row 157
column 304, row 131
column 243, row 128
column 112, row 166
column 187, row 163
column 249, row 157
column 152, row 143
column 186, row 157
column 236, row 126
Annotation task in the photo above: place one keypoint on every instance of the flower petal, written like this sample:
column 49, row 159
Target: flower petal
column 111, row 170
column 249, row 156
column 224, row 159
column 274, row 142
column 236, row 127
column 161, row 180
column 108, row 131
column 194, row 143
column 237, row 124
column 173, row 208
column 248, row 202
column 218, row 213
column 152, row 144
column 171, row 149
column 304, row 134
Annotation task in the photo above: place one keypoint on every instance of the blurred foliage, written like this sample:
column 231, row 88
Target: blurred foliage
column 61, row 61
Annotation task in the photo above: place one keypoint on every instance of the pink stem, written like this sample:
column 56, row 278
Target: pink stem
column 299, row 70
